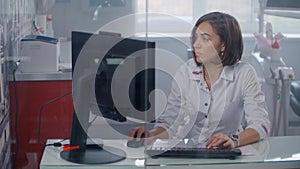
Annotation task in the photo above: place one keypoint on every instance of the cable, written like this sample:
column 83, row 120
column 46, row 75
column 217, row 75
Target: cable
column 41, row 111
column 57, row 144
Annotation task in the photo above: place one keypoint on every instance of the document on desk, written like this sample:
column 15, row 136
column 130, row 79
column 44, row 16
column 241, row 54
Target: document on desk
column 184, row 143
column 164, row 143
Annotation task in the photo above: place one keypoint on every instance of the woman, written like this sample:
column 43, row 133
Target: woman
column 215, row 99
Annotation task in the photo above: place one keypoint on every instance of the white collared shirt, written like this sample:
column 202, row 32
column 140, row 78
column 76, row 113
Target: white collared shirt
column 235, row 102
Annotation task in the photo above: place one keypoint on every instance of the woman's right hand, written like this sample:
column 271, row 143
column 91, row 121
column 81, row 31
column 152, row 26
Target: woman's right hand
column 137, row 133
column 150, row 135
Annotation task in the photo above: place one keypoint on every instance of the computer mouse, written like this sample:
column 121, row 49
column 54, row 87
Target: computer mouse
column 135, row 144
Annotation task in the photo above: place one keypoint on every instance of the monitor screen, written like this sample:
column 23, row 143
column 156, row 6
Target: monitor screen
column 121, row 64
column 121, row 60
column 117, row 75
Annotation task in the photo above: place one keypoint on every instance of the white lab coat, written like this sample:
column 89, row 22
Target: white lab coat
column 235, row 102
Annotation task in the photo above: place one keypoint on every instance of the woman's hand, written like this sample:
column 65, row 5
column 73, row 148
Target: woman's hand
column 138, row 132
column 220, row 140
column 150, row 135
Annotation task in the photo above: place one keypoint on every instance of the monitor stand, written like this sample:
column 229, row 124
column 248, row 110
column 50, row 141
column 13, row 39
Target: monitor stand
column 94, row 155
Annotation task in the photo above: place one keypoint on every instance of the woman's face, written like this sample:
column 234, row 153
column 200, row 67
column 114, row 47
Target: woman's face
column 207, row 45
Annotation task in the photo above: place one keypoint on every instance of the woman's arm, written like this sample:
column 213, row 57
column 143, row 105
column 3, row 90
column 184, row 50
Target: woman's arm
column 256, row 114
column 221, row 140
column 248, row 136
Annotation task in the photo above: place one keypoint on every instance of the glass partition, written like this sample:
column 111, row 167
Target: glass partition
column 113, row 62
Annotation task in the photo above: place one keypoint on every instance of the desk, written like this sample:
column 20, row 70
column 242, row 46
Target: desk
column 274, row 152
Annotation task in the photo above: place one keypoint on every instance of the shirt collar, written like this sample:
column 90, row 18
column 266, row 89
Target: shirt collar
column 227, row 73
column 197, row 72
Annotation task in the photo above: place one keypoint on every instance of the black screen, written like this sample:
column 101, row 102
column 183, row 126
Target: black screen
column 140, row 85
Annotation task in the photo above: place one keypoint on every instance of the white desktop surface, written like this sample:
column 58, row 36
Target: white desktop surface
column 274, row 152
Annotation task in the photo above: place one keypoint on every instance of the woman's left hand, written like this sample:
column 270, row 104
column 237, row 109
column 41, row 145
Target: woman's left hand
column 220, row 140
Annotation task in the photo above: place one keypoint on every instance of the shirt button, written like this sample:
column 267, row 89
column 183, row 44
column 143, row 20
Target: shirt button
column 205, row 116
column 205, row 104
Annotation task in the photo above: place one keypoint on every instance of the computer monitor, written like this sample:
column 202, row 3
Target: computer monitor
column 292, row 5
column 102, row 64
column 126, row 62
column 283, row 8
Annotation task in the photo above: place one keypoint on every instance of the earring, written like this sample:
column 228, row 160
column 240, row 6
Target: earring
column 222, row 53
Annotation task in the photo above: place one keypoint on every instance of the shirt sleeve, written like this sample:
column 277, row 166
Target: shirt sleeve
column 256, row 114
column 169, row 118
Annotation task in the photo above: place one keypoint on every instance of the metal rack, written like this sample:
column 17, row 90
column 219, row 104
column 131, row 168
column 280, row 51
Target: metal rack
column 276, row 75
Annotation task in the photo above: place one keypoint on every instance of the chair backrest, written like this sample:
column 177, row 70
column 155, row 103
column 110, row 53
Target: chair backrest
column 295, row 97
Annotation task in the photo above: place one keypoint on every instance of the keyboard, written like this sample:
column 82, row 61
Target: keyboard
column 192, row 152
